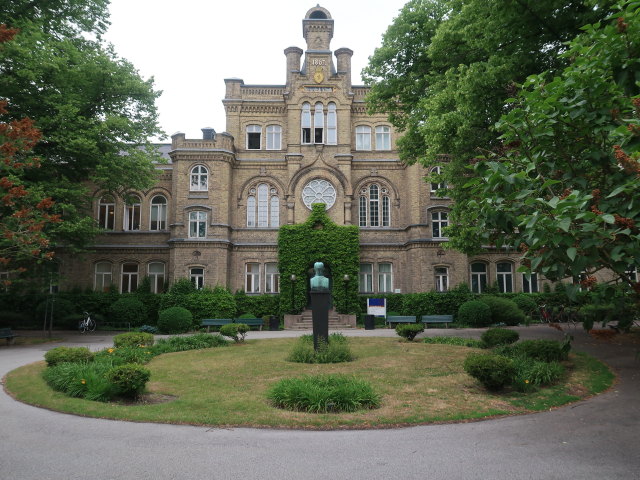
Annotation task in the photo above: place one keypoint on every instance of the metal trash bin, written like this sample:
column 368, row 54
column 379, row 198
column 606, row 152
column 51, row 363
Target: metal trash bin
column 369, row 322
column 274, row 323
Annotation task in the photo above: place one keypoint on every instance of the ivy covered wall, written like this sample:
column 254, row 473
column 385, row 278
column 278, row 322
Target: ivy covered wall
column 319, row 239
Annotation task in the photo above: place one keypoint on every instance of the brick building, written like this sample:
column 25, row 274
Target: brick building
column 214, row 214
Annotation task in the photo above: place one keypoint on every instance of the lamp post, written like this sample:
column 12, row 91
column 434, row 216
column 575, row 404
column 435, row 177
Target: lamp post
column 293, row 279
column 346, row 280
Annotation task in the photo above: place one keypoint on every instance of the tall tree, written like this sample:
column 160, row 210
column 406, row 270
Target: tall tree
column 93, row 110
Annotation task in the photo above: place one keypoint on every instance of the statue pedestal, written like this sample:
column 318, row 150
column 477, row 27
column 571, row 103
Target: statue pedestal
column 320, row 301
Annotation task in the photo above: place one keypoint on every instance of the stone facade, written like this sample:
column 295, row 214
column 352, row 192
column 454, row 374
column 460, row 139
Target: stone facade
column 309, row 140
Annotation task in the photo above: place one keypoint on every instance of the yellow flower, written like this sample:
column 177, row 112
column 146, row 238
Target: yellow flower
column 110, row 350
column 526, row 381
column 83, row 381
column 142, row 346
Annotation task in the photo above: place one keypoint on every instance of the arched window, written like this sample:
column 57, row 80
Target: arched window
column 199, row 179
column 263, row 207
column 305, row 123
column 274, row 137
column 478, row 277
column 374, row 206
column 254, row 134
column 197, row 224
column 437, row 183
column 103, row 277
column 156, row 277
column 318, row 123
column 442, row 279
column 129, row 281
column 106, row 212
column 504, row 275
column 332, row 125
column 131, row 219
column 439, row 220
column 383, row 138
column 363, row 137
column 158, row 218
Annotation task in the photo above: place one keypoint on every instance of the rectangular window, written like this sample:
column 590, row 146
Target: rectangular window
column 332, row 125
column 504, row 275
column 363, row 138
column 478, row 277
column 103, row 277
column 196, row 275
column 442, row 279
column 439, row 220
column 252, row 278
column 274, row 135
column 254, row 132
column 366, row 278
column 385, row 278
column 197, row 224
column 129, row 277
column 272, row 278
column 132, row 217
column 530, row 283
column 318, row 124
column 383, row 138
column 156, row 277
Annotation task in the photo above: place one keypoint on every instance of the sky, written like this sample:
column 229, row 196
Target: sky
column 190, row 46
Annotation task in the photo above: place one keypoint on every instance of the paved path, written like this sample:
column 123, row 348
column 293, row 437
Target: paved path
column 594, row 439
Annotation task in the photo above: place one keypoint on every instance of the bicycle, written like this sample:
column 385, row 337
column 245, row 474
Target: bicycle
column 87, row 324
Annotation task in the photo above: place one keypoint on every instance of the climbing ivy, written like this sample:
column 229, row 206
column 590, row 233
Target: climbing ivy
column 319, row 239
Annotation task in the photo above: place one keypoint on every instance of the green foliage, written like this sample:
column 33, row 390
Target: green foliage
column 532, row 374
column 474, row 313
column 318, row 239
column 335, row 350
column 182, row 286
column 86, row 380
column 175, row 320
column 323, row 394
column 408, row 331
column 129, row 379
column 133, row 339
column 190, row 342
column 125, row 354
column 458, row 341
column 128, row 309
column 435, row 303
column 148, row 329
column 236, row 331
column 499, row 336
column 503, row 310
column 204, row 303
column 59, row 355
column 525, row 302
column 62, row 308
column 494, row 372
column 543, row 350
column 260, row 305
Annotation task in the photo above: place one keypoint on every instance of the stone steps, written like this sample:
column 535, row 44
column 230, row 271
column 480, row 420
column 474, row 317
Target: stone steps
column 306, row 322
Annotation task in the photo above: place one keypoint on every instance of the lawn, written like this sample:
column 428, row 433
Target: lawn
column 226, row 386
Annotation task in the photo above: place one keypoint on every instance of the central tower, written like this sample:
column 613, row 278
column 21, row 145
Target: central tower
column 317, row 29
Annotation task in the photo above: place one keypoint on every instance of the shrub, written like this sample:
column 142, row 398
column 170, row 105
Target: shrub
column 122, row 355
column 531, row 374
column 68, row 355
column 236, row 331
column 503, row 310
column 128, row 309
column 474, row 313
column 458, row 341
column 499, row 336
column 525, row 303
column 335, row 350
column 323, row 394
column 408, row 331
column 148, row 329
column 133, row 339
column 129, row 380
column 175, row 320
column 543, row 350
column 492, row 371
column 62, row 308
column 85, row 380
column 191, row 342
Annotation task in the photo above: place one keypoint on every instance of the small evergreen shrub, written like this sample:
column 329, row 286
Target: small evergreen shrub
column 129, row 380
column 236, row 331
column 531, row 374
column 68, row 355
column 174, row 320
column 503, row 310
column 128, row 309
column 474, row 313
column 148, row 329
column 408, row 331
column 133, row 339
column 191, row 342
column 494, row 372
column 457, row 341
column 336, row 350
column 543, row 350
column 323, row 394
column 499, row 336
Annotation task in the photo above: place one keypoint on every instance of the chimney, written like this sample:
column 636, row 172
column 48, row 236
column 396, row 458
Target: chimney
column 208, row 133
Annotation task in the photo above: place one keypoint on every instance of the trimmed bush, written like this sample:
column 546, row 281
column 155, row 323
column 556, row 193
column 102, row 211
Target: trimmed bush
column 474, row 313
column 408, row 331
column 129, row 380
column 323, row 394
column 503, row 310
column 133, row 339
column 175, row 320
column 236, row 331
column 128, row 309
column 525, row 303
column 543, row 350
column 59, row 355
column 336, row 350
column 494, row 372
column 499, row 336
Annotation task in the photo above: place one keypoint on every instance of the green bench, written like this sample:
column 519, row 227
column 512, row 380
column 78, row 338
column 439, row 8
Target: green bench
column 252, row 322
column 401, row 319
column 7, row 334
column 218, row 322
column 430, row 319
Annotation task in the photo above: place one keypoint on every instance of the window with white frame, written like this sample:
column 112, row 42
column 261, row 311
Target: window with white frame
column 478, row 277
column 196, row 275
column 197, row 224
column 252, row 278
column 442, row 279
column 305, row 123
column 156, row 277
column 199, row 179
column 530, row 283
column 363, row 137
column 332, row 124
column 504, row 275
column 436, row 183
column 365, row 278
column 103, row 277
column 131, row 220
column 263, row 207
column 632, row 273
column 318, row 123
column 383, row 137
column 439, row 220
column 274, row 137
column 158, row 217
column 106, row 212
column 374, row 206
column 272, row 278
column 254, row 137
column 385, row 277
column 129, row 281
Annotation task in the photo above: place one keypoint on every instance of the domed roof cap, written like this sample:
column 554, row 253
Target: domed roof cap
column 318, row 13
